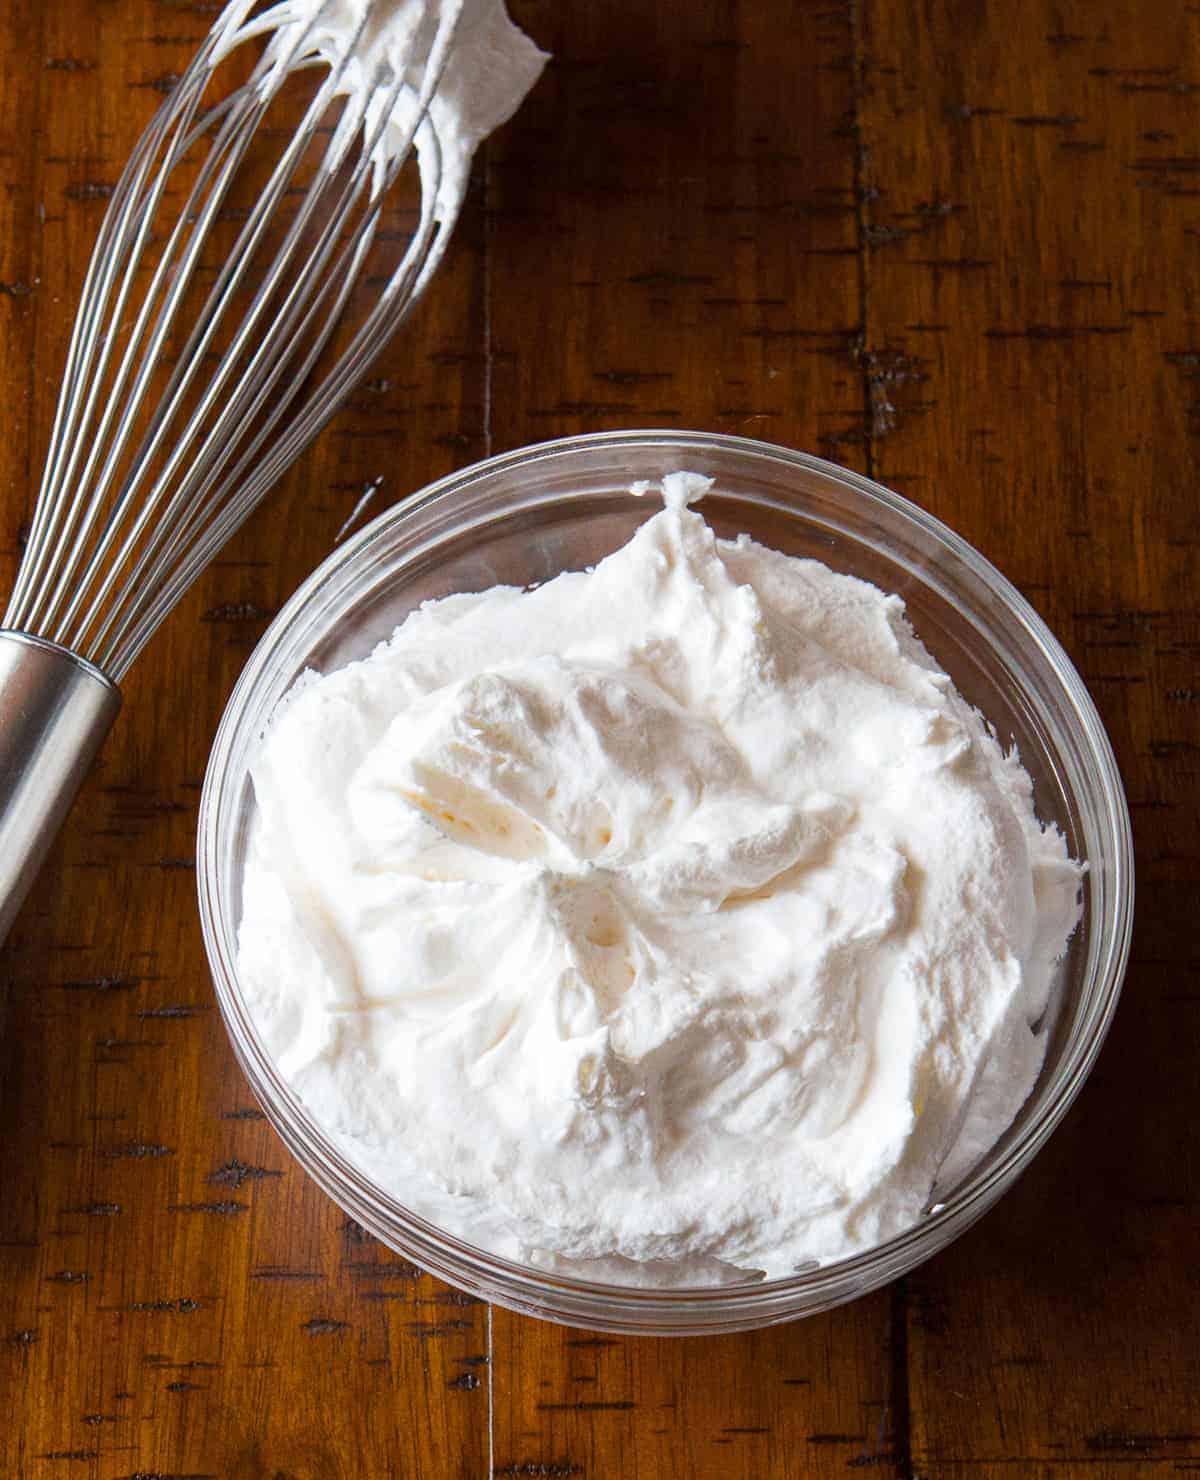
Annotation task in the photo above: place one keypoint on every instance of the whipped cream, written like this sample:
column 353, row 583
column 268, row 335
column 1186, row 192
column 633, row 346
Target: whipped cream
column 447, row 72
column 660, row 923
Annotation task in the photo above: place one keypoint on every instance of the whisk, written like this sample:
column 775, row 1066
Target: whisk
column 139, row 493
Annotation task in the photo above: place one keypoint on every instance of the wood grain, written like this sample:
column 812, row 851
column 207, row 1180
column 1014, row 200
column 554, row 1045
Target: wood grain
column 952, row 244
column 1032, row 276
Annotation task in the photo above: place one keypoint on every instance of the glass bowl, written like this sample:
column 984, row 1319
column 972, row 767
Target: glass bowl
column 522, row 518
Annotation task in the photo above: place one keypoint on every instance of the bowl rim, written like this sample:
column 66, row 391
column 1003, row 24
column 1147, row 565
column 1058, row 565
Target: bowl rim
column 944, row 1221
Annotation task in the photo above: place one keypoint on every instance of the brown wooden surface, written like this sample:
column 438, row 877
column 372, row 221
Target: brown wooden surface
column 952, row 243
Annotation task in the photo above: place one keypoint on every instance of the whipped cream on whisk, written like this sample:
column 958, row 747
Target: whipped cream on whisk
column 487, row 66
column 673, row 922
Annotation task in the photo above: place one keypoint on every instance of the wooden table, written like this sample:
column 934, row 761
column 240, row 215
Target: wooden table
column 953, row 244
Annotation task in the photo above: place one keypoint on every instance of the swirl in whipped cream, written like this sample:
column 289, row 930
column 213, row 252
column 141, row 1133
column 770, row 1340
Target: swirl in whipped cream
column 660, row 923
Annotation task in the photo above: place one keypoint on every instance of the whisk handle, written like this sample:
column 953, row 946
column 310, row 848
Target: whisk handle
column 55, row 709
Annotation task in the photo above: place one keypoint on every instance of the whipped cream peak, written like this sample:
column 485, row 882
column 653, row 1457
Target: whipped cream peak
column 677, row 490
column 673, row 920
column 446, row 72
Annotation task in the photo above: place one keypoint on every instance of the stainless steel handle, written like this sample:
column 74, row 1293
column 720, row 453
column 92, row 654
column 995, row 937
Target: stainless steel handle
column 55, row 709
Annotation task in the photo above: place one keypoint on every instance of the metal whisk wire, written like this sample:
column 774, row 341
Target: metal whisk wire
column 183, row 400
column 122, row 240
column 111, row 551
